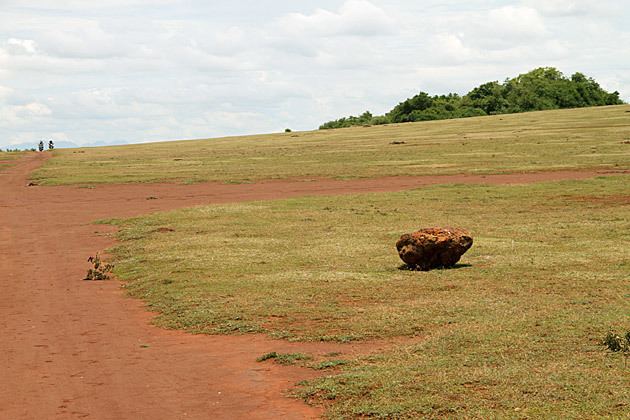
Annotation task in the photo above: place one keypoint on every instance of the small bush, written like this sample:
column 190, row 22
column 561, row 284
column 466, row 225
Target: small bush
column 267, row 356
column 287, row 130
column 100, row 270
column 617, row 343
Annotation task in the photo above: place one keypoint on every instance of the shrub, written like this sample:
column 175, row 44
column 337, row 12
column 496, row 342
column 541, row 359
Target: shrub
column 100, row 270
column 617, row 343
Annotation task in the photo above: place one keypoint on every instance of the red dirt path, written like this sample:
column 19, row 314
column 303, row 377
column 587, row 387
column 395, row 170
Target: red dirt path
column 76, row 349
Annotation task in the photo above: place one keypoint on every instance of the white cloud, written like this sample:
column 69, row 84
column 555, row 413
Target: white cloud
column 354, row 18
column 81, row 5
column 5, row 92
column 349, row 38
column 21, row 46
column 566, row 8
column 448, row 48
column 16, row 115
column 515, row 22
column 34, row 108
column 501, row 28
column 82, row 39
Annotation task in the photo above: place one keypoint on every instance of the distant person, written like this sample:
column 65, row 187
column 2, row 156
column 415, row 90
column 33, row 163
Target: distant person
column 51, row 145
column 41, row 146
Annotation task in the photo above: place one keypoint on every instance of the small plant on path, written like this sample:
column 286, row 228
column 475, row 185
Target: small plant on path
column 618, row 344
column 100, row 270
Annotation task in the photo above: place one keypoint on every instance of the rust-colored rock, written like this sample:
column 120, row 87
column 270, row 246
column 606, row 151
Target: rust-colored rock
column 433, row 247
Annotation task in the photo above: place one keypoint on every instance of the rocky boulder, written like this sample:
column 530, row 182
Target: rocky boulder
column 434, row 247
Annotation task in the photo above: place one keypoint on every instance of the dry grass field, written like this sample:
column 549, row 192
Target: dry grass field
column 535, row 141
column 513, row 331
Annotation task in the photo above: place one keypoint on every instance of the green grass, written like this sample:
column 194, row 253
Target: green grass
column 549, row 140
column 284, row 358
column 515, row 331
column 329, row 364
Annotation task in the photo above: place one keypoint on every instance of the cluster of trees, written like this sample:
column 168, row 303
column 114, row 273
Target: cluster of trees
column 364, row 119
column 16, row 149
column 540, row 89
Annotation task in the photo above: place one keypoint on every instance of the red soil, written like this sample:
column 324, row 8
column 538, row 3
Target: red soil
column 76, row 349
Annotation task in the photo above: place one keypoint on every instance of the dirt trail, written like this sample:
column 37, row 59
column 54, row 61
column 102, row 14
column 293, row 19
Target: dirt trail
column 75, row 349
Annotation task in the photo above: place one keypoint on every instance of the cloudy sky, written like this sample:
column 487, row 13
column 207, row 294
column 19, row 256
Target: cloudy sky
column 148, row 70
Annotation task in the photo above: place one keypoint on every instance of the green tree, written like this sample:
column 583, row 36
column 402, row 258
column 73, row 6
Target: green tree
column 539, row 89
column 489, row 97
column 402, row 112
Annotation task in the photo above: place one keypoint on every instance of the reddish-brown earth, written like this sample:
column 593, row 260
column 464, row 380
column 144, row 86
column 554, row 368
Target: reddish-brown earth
column 76, row 349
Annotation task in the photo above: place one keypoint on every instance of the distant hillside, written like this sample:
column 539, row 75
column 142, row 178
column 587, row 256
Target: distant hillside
column 540, row 89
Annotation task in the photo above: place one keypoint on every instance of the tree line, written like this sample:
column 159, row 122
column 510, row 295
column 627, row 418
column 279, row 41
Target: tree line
column 540, row 89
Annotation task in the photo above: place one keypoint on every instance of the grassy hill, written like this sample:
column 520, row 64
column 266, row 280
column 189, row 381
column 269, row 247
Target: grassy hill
column 534, row 141
column 513, row 332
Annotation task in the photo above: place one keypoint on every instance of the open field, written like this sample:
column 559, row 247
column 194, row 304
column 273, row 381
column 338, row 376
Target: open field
column 535, row 141
column 512, row 332
column 338, row 210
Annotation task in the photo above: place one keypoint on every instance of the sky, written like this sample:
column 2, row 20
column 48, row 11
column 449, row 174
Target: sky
column 106, row 72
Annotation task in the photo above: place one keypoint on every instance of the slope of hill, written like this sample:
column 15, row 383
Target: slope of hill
column 534, row 141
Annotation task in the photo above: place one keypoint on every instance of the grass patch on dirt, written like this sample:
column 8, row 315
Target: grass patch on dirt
column 329, row 364
column 284, row 358
column 548, row 140
column 514, row 331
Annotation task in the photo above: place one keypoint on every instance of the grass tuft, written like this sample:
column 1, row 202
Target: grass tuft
column 329, row 364
column 284, row 358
